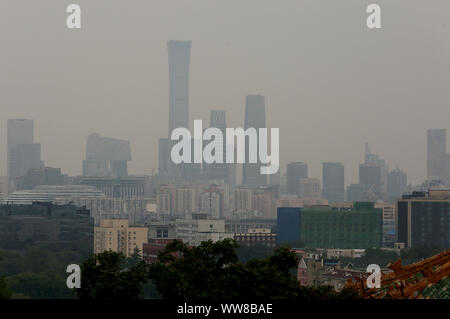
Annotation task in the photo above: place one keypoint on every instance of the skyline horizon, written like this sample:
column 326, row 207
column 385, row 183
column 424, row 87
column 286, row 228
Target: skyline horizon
column 329, row 90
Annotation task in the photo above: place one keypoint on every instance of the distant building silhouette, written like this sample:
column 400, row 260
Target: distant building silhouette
column 333, row 181
column 255, row 116
column 106, row 157
column 294, row 172
column 354, row 192
column 436, row 153
column 179, row 59
column 221, row 171
column 373, row 174
column 397, row 182
column 21, row 132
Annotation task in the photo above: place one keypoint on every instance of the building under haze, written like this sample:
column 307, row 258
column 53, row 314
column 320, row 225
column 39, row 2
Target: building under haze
column 373, row 174
column 333, row 181
column 255, row 116
column 309, row 188
column 436, row 153
column 163, row 157
column 354, row 192
column 397, row 182
column 220, row 171
column 23, row 153
column 106, row 157
column 294, row 172
column 179, row 61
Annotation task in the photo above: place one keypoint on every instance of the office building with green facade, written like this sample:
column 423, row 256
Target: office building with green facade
column 329, row 227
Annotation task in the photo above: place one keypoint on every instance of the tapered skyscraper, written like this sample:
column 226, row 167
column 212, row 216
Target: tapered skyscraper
column 255, row 116
column 179, row 58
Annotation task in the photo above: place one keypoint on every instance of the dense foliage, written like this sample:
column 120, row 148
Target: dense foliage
column 5, row 293
column 39, row 271
column 111, row 275
column 211, row 271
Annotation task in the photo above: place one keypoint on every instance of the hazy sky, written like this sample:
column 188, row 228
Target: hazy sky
column 330, row 83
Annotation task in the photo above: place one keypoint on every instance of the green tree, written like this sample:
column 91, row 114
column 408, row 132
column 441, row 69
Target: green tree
column 5, row 292
column 108, row 275
column 212, row 271
column 49, row 284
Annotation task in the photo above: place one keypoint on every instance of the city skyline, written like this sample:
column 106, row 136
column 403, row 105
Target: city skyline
column 225, row 68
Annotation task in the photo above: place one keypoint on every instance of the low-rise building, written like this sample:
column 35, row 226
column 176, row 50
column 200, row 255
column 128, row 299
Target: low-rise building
column 256, row 236
column 194, row 231
column 116, row 235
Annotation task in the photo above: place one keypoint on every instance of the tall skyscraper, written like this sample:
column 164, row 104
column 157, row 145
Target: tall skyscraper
column 436, row 153
column 370, row 177
column 222, row 171
column 179, row 60
column 373, row 174
column 397, row 181
column 294, row 172
column 20, row 131
column 255, row 116
column 218, row 170
column 333, row 181
column 29, row 156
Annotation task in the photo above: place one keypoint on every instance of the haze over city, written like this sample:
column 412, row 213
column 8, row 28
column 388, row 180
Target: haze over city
column 330, row 84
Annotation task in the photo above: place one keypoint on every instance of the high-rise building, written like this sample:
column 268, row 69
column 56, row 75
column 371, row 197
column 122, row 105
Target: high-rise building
column 255, row 117
column 179, row 60
column 20, row 131
column 354, row 192
column 373, row 174
column 370, row 177
column 242, row 199
column 263, row 202
column 294, row 172
column 388, row 223
column 423, row 219
column 212, row 202
column 309, row 188
column 106, row 157
column 333, row 181
column 329, row 227
column 436, row 153
column 397, row 181
column 29, row 157
column 186, row 202
column 220, row 171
